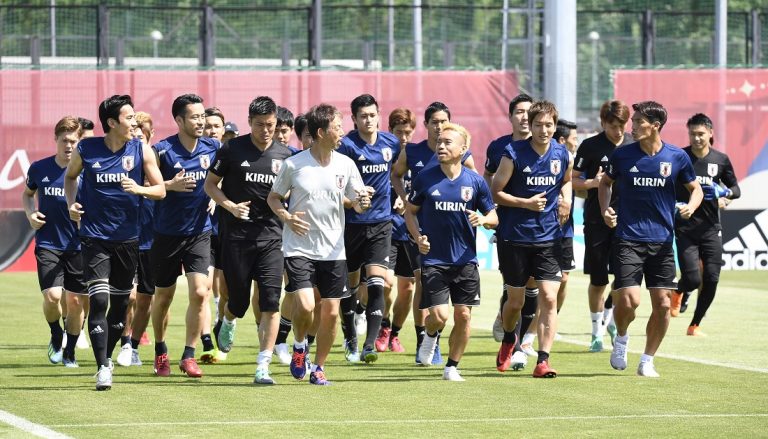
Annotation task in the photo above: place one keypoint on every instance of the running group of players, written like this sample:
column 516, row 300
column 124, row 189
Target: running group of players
column 119, row 217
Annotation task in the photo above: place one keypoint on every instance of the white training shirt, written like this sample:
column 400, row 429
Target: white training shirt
column 319, row 192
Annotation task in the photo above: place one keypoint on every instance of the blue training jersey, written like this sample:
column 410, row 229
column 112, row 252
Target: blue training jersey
column 534, row 174
column 59, row 232
column 646, row 209
column 111, row 214
column 420, row 157
column 146, row 223
column 568, row 226
column 495, row 152
column 184, row 213
column 445, row 220
column 399, row 229
column 374, row 163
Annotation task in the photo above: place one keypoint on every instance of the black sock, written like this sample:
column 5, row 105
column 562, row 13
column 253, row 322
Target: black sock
column 189, row 352
column 528, row 313
column 57, row 334
column 509, row 337
column 135, row 343
column 347, row 310
column 374, row 313
column 420, row 331
column 69, row 349
column 310, row 340
column 686, row 297
column 395, row 331
column 706, row 296
column 386, row 323
column 216, row 329
column 543, row 356
column 608, row 302
column 450, row 363
column 207, row 342
column 283, row 330
column 125, row 339
column 118, row 306
column 160, row 348
column 97, row 321
column 359, row 308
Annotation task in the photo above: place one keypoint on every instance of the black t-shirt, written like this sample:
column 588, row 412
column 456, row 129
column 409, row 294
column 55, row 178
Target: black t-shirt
column 715, row 167
column 248, row 175
column 594, row 153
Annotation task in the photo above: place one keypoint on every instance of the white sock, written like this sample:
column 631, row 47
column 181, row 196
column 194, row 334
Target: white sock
column 300, row 344
column 607, row 316
column 528, row 338
column 314, row 367
column 264, row 358
column 597, row 322
column 229, row 322
column 646, row 358
column 623, row 339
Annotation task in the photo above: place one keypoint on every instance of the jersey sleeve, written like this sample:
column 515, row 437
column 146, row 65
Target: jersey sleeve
column 220, row 163
column 613, row 166
column 687, row 174
column 31, row 181
column 728, row 178
column 491, row 164
column 484, row 199
column 354, row 182
column 581, row 162
column 466, row 156
column 284, row 180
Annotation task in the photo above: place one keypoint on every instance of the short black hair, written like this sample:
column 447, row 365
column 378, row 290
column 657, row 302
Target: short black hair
column 179, row 107
column 85, row 124
column 284, row 117
column 110, row 109
column 320, row 117
column 300, row 124
column 261, row 106
column 433, row 108
column 563, row 129
column 699, row 119
column 361, row 101
column 652, row 111
column 522, row 97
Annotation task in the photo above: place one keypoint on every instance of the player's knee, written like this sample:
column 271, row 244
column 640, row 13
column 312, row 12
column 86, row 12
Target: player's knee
column 52, row 296
column 462, row 315
column 269, row 299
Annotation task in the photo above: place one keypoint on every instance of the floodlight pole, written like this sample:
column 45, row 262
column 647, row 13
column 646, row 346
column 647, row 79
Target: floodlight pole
column 721, row 33
column 560, row 55
column 417, row 41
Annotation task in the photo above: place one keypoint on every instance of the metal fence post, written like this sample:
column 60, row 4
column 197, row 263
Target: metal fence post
column 649, row 35
column 207, row 56
column 120, row 52
column 102, row 37
column 34, row 51
column 316, row 33
column 756, row 38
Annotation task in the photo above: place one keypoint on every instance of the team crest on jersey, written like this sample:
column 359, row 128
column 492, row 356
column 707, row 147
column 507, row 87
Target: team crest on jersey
column 554, row 167
column 665, row 169
column 466, row 193
column 387, row 154
column 128, row 163
column 340, row 181
column 205, row 161
column 276, row 165
column 712, row 169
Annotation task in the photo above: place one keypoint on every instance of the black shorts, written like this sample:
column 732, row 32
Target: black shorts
column 567, row 262
column 459, row 283
column 245, row 261
column 598, row 244
column 58, row 268
column 145, row 281
column 705, row 246
column 367, row 244
column 652, row 260
column 170, row 253
column 520, row 262
column 403, row 258
column 112, row 261
column 330, row 277
column 215, row 260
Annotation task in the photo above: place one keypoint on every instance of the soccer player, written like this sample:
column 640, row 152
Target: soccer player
column 449, row 198
column 321, row 183
column 521, row 130
column 403, row 253
column 646, row 173
column 86, row 126
column 250, row 233
column 284, row 128
column 416, row 157
column 589, row 168
column 300, row 125
column 144, row 290
column 367, row 235
column 699, row 237
column 534, row 182
column 566, row 134
column 108, row 213
column 57, row 246
column 182, row 230
column 230, row 131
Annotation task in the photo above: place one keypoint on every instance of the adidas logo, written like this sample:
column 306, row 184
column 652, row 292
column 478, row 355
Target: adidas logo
column 748, row 250
column 419, row 164
column 46, row 180
column 96, row 165
column 435, row 193
column 377, row 313
column 386, row 259
column 97, row 330
column 477, row 297
column 177, row 165
column 245, row 164
column 633, row 169
column 604, row 159
column 361, row 158
column 527, row 169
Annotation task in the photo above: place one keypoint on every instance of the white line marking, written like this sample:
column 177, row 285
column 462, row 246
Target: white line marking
column 421, row 421
column 680, row 358
column 30, row 427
